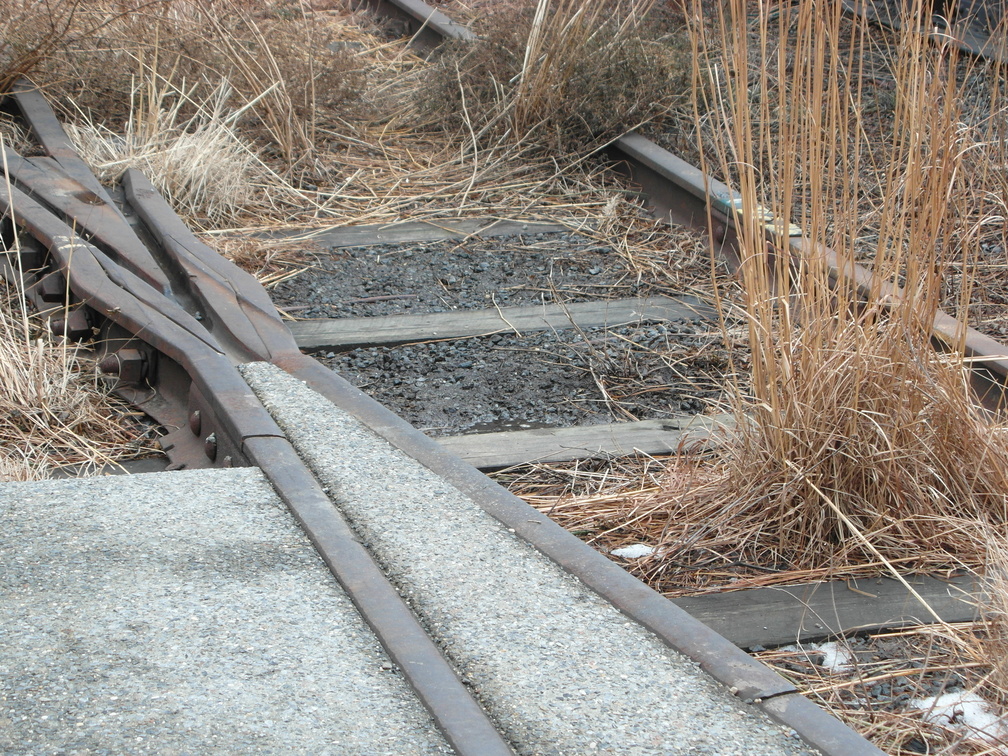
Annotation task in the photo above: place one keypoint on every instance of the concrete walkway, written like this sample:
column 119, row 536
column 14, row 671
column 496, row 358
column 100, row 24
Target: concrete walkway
column 560, row 669
column 184, row 613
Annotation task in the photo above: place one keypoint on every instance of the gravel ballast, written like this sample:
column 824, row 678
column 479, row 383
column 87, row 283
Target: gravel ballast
column 544, row 379
column 184, row 613
column 560, row 669
column 518, row 380
column 390, row 279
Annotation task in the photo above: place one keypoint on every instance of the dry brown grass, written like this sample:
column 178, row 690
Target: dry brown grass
column 200, row 164
column 889, row 691
column 861, row 435
column 140, row 80
column 992, row 644
column 53, row 410
column 31, row 32
column 862, row 445
column 564, row 76
column 154, row 73
column 861, row 448
column 862, row 451
column 269, row 260
column 285, row 70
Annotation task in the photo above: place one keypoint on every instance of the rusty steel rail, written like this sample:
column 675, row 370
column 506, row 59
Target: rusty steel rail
column 684, row 194
column 173, row 322
column 963, row 23
column 426, row 27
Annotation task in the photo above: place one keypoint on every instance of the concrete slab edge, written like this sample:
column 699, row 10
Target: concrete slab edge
column 464, row 723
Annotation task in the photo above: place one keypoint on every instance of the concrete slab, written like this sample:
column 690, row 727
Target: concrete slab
column 183, row 613
column 559, row 668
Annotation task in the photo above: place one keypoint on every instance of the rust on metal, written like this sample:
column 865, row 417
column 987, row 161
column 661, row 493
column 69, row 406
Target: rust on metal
column 49, row 132
column 677, row 191
column 97, row 222
column 685, row 192
column 717, row 656
column 217, row 419
column 131, row 366
column 458, row 716
column 241, row 314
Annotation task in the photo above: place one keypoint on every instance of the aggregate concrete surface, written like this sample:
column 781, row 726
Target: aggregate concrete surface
column 184, row 613
column 560, row 669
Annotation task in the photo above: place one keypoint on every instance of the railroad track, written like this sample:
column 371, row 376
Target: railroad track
column 173, row 321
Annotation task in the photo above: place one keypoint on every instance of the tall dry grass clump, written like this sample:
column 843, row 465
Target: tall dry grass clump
column 212, row 101
column 282, row 65
column 860, row 444
column 200, row 163
column 557, row 74
column 52, row 410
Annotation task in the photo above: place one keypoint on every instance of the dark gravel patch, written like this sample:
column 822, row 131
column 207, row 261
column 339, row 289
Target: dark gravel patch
column 390, row 279
column 563, row 378
column 544, row 379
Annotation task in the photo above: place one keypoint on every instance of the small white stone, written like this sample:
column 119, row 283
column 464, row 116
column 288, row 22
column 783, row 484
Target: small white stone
column 634, row 551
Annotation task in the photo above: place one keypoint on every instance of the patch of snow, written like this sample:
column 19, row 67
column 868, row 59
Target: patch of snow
column 634, row 551
column 966, row 712
column 837, row 657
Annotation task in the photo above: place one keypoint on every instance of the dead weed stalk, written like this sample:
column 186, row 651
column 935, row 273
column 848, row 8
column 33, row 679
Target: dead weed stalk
column 283, row 66
column 862, row 443
column 200, row 164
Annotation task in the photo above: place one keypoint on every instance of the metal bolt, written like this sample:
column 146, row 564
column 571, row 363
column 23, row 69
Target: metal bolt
column 76, row 326
column 210, row 446
column 195, row 422
column 129, row 364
